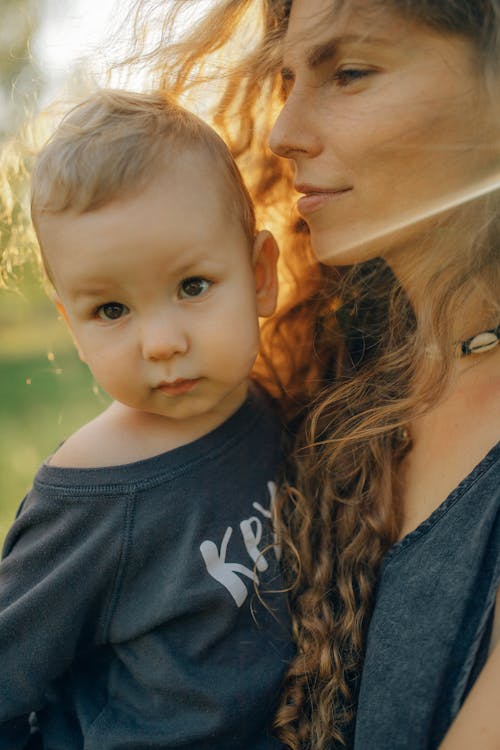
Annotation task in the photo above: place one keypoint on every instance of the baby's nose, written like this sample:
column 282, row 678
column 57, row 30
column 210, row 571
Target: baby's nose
column 162, row 337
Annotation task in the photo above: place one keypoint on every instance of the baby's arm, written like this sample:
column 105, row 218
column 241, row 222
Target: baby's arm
column 56, row 582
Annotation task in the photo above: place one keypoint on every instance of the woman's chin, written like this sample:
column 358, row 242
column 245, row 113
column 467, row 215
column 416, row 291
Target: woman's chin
column 345, row 248
column 364, row 240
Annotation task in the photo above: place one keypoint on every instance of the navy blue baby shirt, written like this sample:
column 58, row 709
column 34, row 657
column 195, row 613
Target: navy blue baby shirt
column 128, row 612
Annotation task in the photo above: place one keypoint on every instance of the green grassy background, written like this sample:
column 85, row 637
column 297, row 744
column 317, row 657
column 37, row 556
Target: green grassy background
column 45, row 391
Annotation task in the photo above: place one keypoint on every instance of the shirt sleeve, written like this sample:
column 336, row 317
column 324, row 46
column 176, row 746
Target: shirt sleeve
column 61, row 566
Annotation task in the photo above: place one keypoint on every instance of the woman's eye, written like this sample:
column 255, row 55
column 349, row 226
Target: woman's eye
column 286, row 84
column 112, row 311
column 194, row 287
column 345, row 76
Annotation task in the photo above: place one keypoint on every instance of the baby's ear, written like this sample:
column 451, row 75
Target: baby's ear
column 62, row 311
column 265, row 258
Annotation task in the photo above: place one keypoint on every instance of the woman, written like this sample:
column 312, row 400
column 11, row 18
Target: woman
column 389, row 126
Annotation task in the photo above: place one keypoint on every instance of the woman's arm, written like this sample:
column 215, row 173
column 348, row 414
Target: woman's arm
column 478, row 722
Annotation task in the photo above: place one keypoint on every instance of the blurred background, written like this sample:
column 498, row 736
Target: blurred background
column 49, row 50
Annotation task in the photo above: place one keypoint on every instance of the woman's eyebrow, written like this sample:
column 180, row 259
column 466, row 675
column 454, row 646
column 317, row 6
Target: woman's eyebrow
column 322, row 53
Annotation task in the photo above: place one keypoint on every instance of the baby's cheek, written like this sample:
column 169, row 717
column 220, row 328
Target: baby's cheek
column 236, row 358
column 249, row 354
column 105, row 369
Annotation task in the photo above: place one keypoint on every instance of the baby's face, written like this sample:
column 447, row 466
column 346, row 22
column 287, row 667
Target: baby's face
column 159, row 290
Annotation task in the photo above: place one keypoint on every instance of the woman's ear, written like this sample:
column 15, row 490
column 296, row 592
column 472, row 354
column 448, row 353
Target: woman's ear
column 62, row 311
column 265, row 258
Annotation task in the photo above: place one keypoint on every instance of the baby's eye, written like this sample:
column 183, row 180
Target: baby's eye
column 112, row 311
column 194, row 287
column 345, row 76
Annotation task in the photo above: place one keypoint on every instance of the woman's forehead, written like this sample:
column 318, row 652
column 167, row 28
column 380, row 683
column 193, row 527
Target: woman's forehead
column 326, row 15
column 468, row 17
column 317, row 24
column 336, row 8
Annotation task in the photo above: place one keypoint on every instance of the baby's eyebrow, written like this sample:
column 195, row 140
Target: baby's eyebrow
column 89, row 292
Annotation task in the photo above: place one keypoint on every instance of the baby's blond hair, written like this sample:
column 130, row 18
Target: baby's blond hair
column 113, row 143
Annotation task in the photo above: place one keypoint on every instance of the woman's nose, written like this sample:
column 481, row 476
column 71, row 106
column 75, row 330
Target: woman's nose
column 293, row 133
column 162, row 337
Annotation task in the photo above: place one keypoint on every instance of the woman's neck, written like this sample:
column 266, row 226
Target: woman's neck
column 425, row 265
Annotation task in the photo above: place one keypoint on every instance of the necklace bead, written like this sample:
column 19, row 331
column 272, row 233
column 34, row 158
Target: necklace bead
column 481, row 342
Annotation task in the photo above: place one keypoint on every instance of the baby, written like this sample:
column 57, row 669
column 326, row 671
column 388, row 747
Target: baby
column 128, row 614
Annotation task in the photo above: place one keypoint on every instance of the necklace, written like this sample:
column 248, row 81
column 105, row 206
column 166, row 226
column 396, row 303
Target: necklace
column 481, row 342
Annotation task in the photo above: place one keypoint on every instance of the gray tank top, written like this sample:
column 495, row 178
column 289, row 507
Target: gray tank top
column 429, row 634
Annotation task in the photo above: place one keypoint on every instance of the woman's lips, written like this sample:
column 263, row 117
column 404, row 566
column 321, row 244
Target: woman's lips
column 314, row 199
column 178, row 387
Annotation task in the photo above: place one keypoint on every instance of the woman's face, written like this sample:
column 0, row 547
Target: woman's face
column 385, row 122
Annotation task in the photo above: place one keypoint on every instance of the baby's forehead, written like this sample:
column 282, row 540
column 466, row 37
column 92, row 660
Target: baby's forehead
column 187, row 216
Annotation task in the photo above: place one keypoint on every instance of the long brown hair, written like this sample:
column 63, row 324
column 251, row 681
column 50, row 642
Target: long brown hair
column 343, row 350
